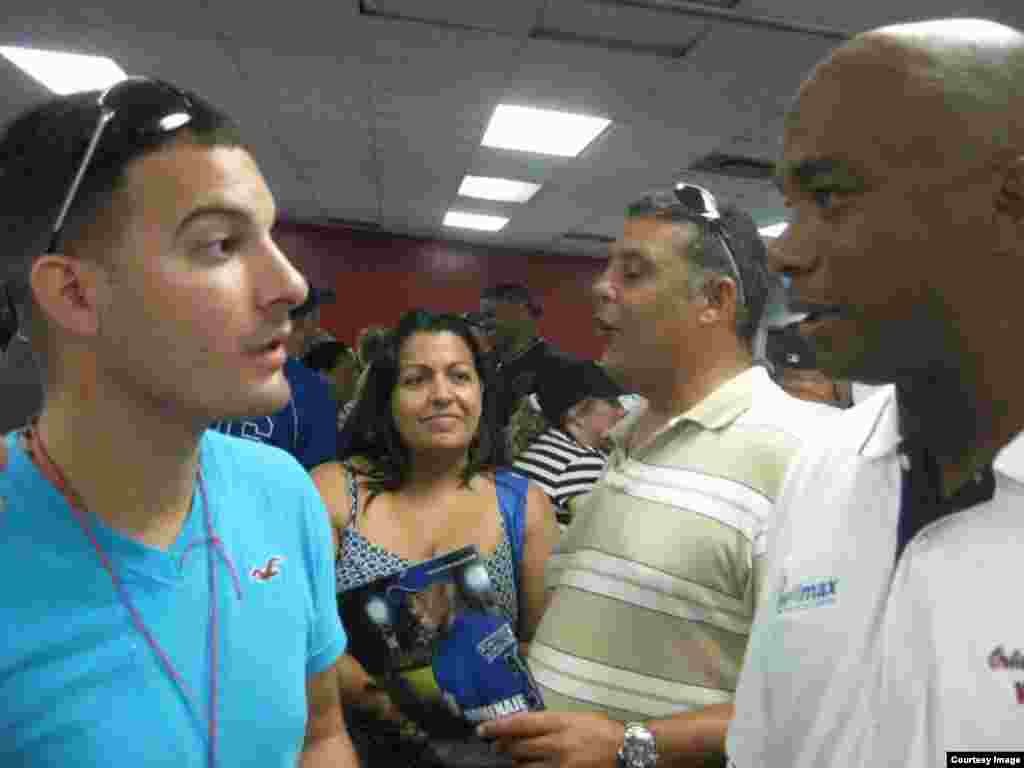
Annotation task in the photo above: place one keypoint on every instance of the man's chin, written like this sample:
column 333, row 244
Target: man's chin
column 615, row 371
column 259, row 403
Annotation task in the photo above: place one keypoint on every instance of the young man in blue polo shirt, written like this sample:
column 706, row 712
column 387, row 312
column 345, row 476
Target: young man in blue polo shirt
column 174, row 600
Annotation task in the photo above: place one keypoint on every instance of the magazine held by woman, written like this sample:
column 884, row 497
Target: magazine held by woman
column 432, row 635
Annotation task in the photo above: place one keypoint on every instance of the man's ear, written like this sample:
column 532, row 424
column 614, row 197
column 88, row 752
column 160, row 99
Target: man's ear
column 69, row 291
column 718, row 293
column 711, row 297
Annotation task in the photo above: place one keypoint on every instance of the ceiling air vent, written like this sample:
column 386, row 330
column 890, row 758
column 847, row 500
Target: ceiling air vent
column 674, row 5
column 736, row 166
column 588, row 237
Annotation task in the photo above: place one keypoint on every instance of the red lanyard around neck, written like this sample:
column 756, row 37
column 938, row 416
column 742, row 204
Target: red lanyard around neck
column 52, row 472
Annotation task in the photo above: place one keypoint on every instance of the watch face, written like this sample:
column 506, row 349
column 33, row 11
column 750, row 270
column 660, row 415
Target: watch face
column 638, row 749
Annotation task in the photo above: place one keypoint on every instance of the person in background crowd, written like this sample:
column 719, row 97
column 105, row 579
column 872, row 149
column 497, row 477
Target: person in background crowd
column 306, row 330
column 786, row 351
column 321, row 336
column 371, row 342
column 174, row 600
column 339, row 366
column 794, row 368
column 483, row 327
column 814, row 385
column 903, row 167
column 680, row 519
column 20, row 374
column 307, row 426
column 520, row 353
column 526, row 425
column 581, row 405
column 423, row 477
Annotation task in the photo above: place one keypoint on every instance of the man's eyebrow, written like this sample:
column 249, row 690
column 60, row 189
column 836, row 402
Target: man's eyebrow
column 428, row 367
column 238, row 214
column 627, row 252
column 806, row 172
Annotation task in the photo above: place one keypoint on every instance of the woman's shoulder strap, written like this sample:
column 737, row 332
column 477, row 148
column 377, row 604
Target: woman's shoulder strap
column 513, row 489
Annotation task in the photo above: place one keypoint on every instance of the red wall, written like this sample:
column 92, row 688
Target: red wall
column 379, row 276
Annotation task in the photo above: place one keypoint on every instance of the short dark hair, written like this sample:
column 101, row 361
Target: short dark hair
column 41, row 150
column 514, row 293
column 706, row 253
column 374, row 343
column 375, row 436
column 326, row 355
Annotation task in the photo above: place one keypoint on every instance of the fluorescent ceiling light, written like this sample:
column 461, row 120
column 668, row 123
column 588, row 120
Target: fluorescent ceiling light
column 65, row 73
column 774, row 230
column 502, row 190
column 474, row 221
column 541, row 130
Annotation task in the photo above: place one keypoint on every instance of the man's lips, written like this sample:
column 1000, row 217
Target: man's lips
column 817, row 316
column 280, row 338
column 813, row 309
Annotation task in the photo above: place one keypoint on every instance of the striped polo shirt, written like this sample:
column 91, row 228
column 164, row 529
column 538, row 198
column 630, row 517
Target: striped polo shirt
column 656, row 580
column 563, row 467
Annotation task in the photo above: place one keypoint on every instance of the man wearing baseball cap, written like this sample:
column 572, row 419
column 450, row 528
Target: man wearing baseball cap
column 521, row 352
column 581, row 404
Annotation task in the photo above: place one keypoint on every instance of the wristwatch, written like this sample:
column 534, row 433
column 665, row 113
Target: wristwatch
column 638, row 747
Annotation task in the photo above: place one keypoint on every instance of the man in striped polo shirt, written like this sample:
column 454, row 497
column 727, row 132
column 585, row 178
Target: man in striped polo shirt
column 581, row 404
column 655, row 583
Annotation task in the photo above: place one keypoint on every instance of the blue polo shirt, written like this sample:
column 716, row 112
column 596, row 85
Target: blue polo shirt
column 307, row 427
column 79, row 685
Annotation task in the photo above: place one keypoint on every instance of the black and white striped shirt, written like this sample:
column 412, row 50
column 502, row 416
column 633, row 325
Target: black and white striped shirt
column 563, row 467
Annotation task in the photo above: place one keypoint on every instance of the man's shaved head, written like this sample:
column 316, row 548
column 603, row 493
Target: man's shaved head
column 960, row 78
column 903, row 167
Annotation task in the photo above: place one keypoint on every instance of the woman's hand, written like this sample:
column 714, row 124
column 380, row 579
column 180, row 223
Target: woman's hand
column 379, row 705
column 377, row 702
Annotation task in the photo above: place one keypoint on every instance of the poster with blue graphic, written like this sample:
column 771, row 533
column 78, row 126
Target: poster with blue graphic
column 433, row 635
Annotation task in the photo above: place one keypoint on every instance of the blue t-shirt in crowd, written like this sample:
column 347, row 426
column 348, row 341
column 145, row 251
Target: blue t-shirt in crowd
column 307, row 427
column 79, row 685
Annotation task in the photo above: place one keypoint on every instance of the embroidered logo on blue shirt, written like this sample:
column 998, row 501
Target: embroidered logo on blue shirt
column 809, row 594
column 269, row 571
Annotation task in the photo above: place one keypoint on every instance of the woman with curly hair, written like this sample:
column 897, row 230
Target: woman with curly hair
column 424, row 475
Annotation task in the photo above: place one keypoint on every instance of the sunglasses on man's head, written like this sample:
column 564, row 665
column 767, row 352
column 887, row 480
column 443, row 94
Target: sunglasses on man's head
column 697, row 203
column 133, row 112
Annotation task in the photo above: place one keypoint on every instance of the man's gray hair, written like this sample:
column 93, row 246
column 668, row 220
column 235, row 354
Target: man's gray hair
column 707, row 257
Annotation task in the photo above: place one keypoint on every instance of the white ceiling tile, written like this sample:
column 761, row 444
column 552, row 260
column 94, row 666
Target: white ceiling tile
column 374, row 119
column 516, row 17
column 854, row 17
column 597, row 21
column 186, row 16
column 624, row 87
column 296, row 27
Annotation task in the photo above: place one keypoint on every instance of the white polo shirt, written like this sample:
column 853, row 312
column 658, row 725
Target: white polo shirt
column 853, row 662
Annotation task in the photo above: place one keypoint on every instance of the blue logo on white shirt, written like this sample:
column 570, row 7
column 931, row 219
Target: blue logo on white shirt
column 809, row 594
